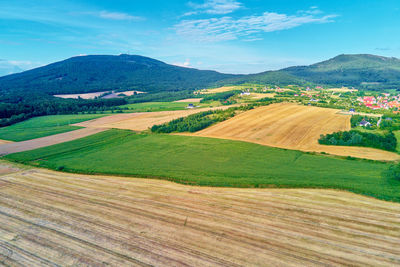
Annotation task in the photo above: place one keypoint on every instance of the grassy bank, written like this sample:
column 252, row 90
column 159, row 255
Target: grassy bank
column 212, row 162
column 43, row 126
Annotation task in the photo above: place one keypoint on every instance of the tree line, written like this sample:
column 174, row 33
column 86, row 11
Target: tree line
column 386, row 141
column 198, row 121
column 26, row 108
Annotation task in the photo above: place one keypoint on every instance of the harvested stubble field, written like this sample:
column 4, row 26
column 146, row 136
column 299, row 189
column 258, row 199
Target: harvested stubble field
column 342, row 90
column 49, row 218
column 221, row 89
column 142, row 121
column 292, row 126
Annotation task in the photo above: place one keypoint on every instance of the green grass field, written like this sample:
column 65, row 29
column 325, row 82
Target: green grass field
column 43, row 126
column 155, row 106
column 213, row 162
column 397, row 134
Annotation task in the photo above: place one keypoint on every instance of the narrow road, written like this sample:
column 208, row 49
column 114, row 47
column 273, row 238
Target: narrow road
column 10, row 148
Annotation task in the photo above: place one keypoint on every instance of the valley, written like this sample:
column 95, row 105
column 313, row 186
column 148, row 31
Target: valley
column 222, row 175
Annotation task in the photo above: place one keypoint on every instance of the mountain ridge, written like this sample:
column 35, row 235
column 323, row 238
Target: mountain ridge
column 81, row 74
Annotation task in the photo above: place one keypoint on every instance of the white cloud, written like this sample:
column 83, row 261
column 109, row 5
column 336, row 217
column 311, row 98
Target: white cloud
column 185, row 64
column 227, row 28
column 215, row 7
column 118, row 16
column 14, row 66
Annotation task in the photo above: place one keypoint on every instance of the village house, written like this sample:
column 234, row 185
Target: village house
column 365, row 123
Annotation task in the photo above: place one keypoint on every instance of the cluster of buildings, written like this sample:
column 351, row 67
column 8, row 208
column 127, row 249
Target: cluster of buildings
column 381, row 102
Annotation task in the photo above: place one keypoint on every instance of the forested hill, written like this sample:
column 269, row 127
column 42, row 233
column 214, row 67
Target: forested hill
column 103, row 72
column 361, row 71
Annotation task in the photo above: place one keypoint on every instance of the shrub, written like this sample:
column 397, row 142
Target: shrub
column 393, row 172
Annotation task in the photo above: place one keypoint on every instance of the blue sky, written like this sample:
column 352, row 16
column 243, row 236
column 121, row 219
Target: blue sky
column 234, row 36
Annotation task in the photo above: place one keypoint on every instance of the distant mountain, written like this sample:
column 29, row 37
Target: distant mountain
column 361, row 71
column 6, row 68
column 102, row 72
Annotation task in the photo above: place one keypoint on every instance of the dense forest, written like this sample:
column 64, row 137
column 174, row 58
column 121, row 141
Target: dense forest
column 32, row 106
column 103, row 73
column 223, row 97
column 361, row 71
column 385, row 141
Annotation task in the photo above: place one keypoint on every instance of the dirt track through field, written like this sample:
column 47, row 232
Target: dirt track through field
column 292, row 126
column 47, row 141
column 142, row 121
column 50, row 218
column 4, row 142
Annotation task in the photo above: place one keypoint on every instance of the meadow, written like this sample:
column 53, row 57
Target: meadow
column 44, row 126
column 154, row 106
column 211, row 162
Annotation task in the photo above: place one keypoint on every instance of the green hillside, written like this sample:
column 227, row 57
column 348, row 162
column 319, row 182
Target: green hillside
column 360, row 71
column 103, row 72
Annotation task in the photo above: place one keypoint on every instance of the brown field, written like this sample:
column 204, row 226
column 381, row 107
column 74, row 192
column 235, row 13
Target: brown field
column 58, row 219
column 141, row 121
column 95, row 94
column 292, row 126
column 190, row 100
column 14, row 147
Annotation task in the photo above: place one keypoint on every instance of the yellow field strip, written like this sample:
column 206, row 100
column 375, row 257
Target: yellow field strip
column 14, row 147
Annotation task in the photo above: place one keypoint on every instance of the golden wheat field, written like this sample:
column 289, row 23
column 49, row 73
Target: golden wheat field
column 220, row 89
column 49, row 218
column 257, row 96
column 342, row 90
column 292, row 126
column 141, row 121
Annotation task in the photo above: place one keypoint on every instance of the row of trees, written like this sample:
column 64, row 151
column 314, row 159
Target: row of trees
column 220, row 96
column 11, row 113
column 198, row 121
column 385, row 141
